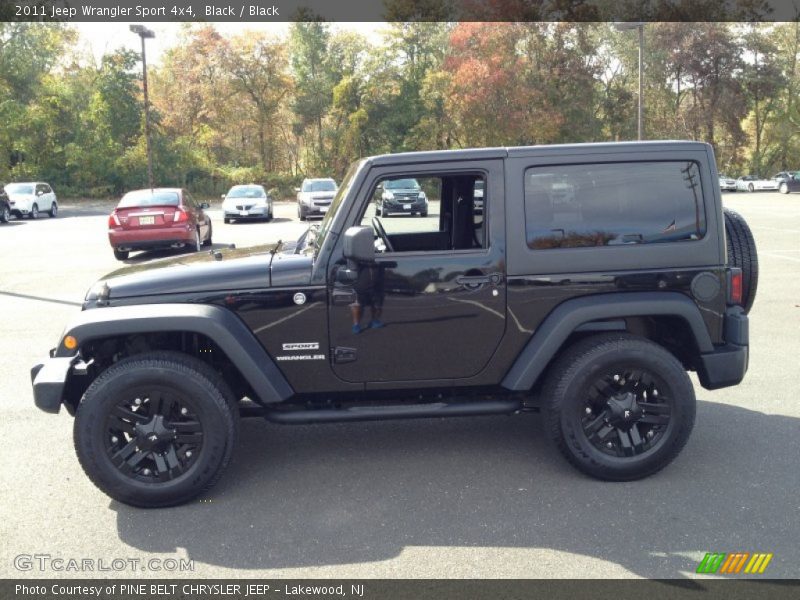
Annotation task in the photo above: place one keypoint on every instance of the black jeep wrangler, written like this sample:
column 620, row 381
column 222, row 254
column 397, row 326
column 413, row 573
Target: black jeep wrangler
column 591, row 280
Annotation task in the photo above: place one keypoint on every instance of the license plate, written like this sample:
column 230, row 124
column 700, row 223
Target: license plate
column 243, row 213
column 147, row 220
column 406, row 207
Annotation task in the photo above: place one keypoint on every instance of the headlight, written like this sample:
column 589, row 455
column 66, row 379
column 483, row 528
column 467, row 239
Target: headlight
column 388, row 196
column 422, row 196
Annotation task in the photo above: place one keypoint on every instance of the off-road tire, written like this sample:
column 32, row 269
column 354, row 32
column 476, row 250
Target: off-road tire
column 742, row 254
column 577, row 367
column 216, row 409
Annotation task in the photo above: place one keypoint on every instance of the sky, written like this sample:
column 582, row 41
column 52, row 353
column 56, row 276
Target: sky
column 100, row 38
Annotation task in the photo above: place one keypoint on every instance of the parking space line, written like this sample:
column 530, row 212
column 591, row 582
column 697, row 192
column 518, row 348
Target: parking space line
column 773, row 255
column 40, row 298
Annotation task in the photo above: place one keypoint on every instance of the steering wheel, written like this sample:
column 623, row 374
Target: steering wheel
column 378, row 226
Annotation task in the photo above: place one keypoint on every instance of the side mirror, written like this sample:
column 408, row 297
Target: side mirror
column 296, row 189
column 222, row 196
column 359, row 245
column 205, row 205
column 40, row 193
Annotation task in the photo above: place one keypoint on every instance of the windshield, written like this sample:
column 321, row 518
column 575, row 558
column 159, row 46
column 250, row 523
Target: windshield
column 19, row 188
column 148, row 198
column 401, row 184
column 323, row 185
column 336, row 203
column 246, row 191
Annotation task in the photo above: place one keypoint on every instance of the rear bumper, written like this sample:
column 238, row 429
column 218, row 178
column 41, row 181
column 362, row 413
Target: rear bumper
column 49, row 379
column 727, row 364
column 150, row 239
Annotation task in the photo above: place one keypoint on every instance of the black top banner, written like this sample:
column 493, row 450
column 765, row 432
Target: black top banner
column 398, row 10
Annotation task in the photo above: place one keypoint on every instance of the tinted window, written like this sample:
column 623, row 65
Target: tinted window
column 247, row 191
column 569, row 206
column 148, row 198
column 324, row 185
column 19, row 188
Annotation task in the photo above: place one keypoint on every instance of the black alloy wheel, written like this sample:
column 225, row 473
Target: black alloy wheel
column 153, row 434
column 619, row 406
column 626, row 413
column 156, row 429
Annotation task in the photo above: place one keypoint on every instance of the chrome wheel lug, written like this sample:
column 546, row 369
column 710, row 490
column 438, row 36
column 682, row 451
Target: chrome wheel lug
column 588, row 410
column 655, row 393
column 137, row 401
column 622, row 382
column 616, row 377
column 609, row 445
column 184, row 411
column 114, row 439
column 650, row 433
column 146, row 472
column 188, row 454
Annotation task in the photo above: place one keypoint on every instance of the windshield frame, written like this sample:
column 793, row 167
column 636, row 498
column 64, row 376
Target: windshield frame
column 336, row 203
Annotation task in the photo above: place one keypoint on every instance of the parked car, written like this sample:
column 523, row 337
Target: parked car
column 5, row 207
column 752, row 183
column 246, row 202
column 727, row 184
column 493, row 322
column 401, row 196
column 788, row 181
column 31, row 198
column 314, row 196
column 158, row 218
column 477, row 196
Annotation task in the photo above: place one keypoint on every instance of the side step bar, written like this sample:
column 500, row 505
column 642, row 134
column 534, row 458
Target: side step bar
column 404, row 411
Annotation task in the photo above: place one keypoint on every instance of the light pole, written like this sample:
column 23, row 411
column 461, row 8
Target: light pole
column 143, row 32
column 640, row 27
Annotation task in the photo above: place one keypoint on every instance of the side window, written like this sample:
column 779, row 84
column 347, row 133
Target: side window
column 46, row 188
column 39, row 189
column 569, row 206
column 428, row 213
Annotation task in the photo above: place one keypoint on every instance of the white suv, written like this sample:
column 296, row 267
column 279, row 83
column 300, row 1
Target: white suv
column 314, row 197
column 31, row 199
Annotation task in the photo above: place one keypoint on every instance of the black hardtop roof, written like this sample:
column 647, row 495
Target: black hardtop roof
column 521, row 151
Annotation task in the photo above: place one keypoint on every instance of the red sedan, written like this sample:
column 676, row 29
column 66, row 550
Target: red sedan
column 158, row 218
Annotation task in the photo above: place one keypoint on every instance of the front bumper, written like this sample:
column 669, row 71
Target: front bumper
column 411, row 206
column 727, row 364
column 49, row 380
column 254, row 212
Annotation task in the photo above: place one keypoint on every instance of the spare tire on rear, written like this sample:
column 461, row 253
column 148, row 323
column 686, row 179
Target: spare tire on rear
column 742, row 254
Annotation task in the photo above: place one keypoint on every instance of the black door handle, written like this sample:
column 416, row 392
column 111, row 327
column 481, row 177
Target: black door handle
column 476, row 280
column 342, row 296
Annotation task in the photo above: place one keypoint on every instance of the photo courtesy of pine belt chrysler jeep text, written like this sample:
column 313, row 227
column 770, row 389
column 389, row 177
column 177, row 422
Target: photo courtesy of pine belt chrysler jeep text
column 587, row 283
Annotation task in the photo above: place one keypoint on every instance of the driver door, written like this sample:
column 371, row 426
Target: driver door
column 433, row 306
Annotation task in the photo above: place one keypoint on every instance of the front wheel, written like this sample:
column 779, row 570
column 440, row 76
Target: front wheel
column 751, row 187
column 156, row 429
column 620, row 407
column 34, row 214
column 5, row 215
column 784, row 188
column 53, row 212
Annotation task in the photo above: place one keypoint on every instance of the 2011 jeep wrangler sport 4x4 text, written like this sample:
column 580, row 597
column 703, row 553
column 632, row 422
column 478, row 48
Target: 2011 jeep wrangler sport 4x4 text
column 591, row 280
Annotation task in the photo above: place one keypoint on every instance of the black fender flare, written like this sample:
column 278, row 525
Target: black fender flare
column 219, row 324
column 568, row 316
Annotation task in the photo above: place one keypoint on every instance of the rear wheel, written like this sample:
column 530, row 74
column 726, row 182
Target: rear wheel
column 197, row 244
column 619, row 407
column 121, row 254
column 156, row 429
column 742, row 254
column 53, row 212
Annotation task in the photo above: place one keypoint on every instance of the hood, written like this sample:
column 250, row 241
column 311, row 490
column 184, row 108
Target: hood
column 319, row 195
column 214, row 271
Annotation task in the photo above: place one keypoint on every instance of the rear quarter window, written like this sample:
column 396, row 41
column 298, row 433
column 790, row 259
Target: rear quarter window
column 613, row 204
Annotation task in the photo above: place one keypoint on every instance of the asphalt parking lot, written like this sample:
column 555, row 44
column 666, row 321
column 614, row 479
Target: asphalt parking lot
column 482, row 497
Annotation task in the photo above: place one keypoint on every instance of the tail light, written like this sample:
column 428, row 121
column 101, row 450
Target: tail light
column 113, row 220
column 735, row 286
column 181, row 216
